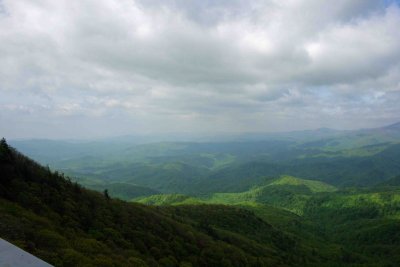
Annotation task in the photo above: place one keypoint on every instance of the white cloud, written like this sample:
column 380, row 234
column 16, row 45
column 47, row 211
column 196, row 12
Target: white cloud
column 197, row 65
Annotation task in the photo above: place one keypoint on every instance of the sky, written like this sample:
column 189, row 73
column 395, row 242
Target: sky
column 99, row 68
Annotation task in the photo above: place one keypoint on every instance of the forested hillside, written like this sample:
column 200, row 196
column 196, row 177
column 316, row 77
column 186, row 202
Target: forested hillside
column 341, row 158
column 364, row 221
column 57, row 220
column 233, row 133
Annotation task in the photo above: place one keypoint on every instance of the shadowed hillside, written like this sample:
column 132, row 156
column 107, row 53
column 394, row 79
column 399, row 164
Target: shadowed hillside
column 67, row 225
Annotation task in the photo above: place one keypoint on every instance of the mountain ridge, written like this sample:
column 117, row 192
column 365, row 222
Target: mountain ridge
column 64, row 224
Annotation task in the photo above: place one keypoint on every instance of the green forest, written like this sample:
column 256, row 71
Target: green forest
column 253, row 203
column 199, row 133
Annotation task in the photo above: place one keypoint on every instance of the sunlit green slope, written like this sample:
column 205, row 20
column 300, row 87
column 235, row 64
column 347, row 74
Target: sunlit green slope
column 66, row 225
column 287, row 192
column 365, row 221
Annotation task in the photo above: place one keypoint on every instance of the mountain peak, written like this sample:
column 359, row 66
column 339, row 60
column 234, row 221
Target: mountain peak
column 394, row 126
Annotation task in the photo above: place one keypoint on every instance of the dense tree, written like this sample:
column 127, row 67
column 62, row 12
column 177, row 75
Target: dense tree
column 57, row 220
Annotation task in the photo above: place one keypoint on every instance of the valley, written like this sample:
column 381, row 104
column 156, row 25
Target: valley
column 233, row 133
column 327, row 198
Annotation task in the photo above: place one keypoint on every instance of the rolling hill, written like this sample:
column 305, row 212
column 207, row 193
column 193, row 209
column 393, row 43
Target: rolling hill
column 364, row 158
column 365, row 221
column 64, row 224
column 285, row 221
column 286, row 192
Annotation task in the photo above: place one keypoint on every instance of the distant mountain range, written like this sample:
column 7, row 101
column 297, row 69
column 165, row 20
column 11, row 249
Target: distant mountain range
column 283, row 221
column 136, row 139
column 364, row 157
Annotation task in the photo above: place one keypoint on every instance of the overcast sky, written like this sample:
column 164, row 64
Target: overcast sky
column 93, row 68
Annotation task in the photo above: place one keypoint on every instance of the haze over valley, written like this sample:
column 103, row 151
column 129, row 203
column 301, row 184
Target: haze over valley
column 200, row 133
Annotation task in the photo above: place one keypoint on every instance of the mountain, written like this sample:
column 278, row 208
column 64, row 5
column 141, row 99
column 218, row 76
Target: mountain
column 313, row 186
column 364, row 157
column 286, row 192
column 57, row 220
column 395, row 181
column 168, row 199
column 196, row 171
column 393, row 127
column 365, row 221
column 123, row 191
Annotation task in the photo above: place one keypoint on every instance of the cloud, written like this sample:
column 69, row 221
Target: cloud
column 160, row 66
